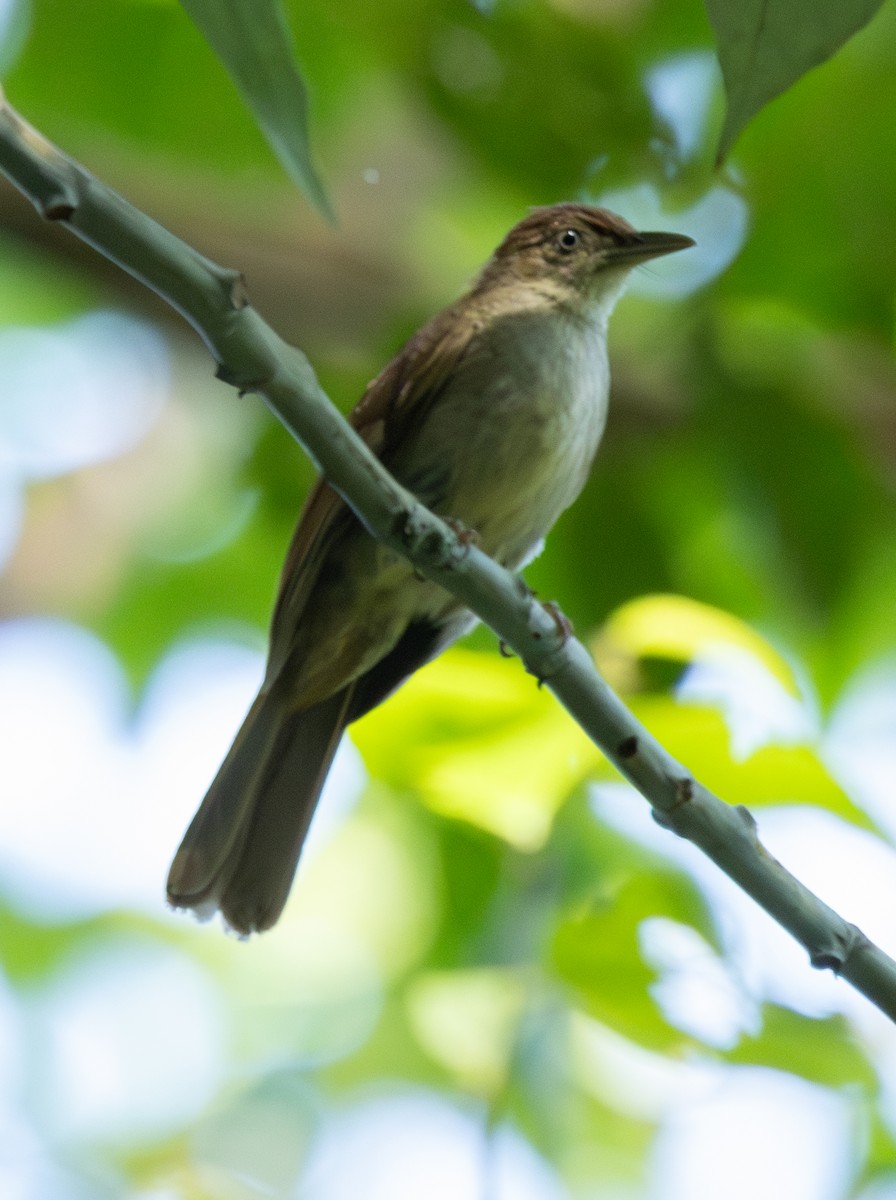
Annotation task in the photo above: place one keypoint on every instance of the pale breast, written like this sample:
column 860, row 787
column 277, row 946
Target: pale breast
column 524, row 423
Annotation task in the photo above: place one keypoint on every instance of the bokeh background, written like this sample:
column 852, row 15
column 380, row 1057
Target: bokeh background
column 496, row 978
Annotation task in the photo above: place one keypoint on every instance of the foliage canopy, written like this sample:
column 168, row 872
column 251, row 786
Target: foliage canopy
column 492, row 943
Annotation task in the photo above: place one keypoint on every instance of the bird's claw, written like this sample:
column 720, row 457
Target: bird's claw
column 466, row 536
column 560, row 619
column 564, row 630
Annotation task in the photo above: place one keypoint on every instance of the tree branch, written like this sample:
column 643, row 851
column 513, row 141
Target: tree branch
column 253, row 358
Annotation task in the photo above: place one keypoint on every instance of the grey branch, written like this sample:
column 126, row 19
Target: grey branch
column 254, row 359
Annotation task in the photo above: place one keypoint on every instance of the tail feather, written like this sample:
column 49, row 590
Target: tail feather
column 241, row 850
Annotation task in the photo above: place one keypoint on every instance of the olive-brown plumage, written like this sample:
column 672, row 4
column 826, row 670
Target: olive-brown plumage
column 491, row 414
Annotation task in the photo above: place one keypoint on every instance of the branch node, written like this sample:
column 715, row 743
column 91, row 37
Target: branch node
column 403, row 528
column 525, row 592
column 466, row 537
column 563, row 632
column 747, row 817
column 628, row 747
column 420, row 538
column 228, row 375
column 825, row 961
column 552, row 654
column 58, row 207
column 840, row 945
column 684, row 794
column 684, row 790
column 238, row 293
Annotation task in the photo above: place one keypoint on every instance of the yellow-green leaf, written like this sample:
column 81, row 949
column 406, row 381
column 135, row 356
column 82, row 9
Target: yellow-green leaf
column 677, row 628
column 478, row 740
column 774, row 774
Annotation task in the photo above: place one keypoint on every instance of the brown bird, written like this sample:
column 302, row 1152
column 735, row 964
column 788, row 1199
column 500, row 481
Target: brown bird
column 491, row 414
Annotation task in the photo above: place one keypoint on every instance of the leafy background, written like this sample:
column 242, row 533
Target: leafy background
column 496, row 977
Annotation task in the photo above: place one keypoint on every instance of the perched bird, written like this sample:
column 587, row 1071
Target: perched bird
column 491, row 414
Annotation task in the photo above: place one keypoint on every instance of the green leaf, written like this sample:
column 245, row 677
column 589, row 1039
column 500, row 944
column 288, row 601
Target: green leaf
column 823, row 1050
column 773, row 774
column 34, row 291
column 253, row 41
column 596, row 952
column 479, row 742
column 682, row 629
column 765, row 46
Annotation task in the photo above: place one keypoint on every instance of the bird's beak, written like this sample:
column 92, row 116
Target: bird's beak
column 642, row 246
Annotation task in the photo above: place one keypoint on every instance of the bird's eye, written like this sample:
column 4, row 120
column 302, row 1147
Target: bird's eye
column 568, row 240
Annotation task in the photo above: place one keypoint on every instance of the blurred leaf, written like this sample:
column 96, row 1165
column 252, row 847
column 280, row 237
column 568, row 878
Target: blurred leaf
column 31, row 950
column 478, row 740
column 823, row 1050
column 36, row 291
column 494, row 82
column 596, row 952
column 881, row 1157
column 826, row 216
column 467, row 1020
column 614, row 1138
column 865, row 626
column 392, row 1052
column 261, row 1134
column 766, row 45
column 773, row 774
column 554, row 1096
column 228, row 593
column 471, row 870
column 678, row 628
column 252, row 40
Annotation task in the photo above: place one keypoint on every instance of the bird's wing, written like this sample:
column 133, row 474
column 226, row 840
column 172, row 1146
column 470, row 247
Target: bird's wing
column 394, row 403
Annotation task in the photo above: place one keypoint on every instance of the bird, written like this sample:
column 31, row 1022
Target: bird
column 491, row 414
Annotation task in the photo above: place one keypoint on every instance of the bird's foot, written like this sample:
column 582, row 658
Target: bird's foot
column 564, row 630
column 560, row 619
column 466, row 536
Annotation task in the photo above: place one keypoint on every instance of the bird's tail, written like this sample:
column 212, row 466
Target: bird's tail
column 241, row 850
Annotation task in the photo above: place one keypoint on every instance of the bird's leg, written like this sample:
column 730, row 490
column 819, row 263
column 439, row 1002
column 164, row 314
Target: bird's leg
column 466, row 537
